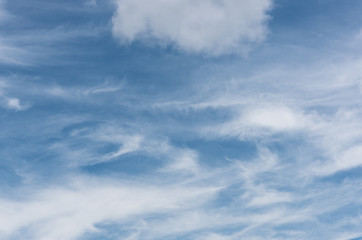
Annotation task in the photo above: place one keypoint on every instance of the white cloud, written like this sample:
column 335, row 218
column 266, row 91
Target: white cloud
column 260, row 121
column 79, row 93
column 317, row 105
column 10, row 102
column 350, row 158
column 213, row 27
column 68, row 212
column 196, row 220
column 347, row 159
column 14, row 103
column 267, row 192
column 178, row 159
column 129, row 144
column 263, row 197
column 183, row 160
column 129, row 140
column 9, row 52
column 275, row 118
column 36, row 47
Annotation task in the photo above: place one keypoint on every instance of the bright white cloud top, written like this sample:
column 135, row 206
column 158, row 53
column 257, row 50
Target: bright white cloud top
column 144, row 120
column 208, row 26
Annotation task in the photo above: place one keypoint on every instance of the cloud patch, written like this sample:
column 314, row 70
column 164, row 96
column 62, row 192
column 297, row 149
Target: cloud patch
column 208, row 26
column 67, row 213
column 10, row 102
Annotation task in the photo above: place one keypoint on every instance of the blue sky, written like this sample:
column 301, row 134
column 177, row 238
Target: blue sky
column 180, row 119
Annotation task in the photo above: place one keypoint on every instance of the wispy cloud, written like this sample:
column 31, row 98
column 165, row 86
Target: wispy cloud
column 79, row 93
column 139, row 142
column 127, row 141
column 23, row 45
column 46, row 213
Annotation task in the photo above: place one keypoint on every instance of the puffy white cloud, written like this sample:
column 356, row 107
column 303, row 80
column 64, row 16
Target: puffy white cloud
column 209, row 26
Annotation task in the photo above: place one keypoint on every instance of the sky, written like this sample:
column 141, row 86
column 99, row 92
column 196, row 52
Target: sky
column 180, row 119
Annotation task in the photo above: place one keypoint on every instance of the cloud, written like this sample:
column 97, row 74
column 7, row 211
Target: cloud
column 350, row 158
column 275, row 118
column 316, row 107
column 30, row 47
column 183, row 160
column 266, row 197
column 347, row 159
column 79, row 93
column 14, row 103
column 69, row 212
column 208, row 26
column 9, row 53
column 258, row 196
column 216, row 159
column 10, row 102
column 125, row 141
column 259, row 122
column 129, row 144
